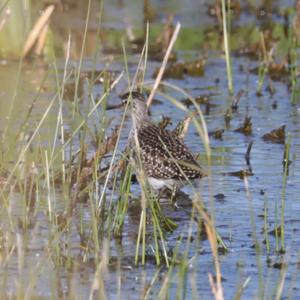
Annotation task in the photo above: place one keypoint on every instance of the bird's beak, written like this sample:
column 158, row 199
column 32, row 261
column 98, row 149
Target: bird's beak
column 116, row 106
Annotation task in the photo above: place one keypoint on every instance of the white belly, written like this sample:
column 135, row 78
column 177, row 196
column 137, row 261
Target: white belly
column 158, row 184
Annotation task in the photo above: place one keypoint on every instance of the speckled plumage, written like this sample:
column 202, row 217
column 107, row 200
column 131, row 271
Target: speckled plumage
column 165, row 158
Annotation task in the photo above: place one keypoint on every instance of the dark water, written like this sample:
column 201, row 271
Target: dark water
column 233, row 212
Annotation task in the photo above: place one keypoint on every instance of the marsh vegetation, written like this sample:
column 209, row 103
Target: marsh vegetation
column 78, row 220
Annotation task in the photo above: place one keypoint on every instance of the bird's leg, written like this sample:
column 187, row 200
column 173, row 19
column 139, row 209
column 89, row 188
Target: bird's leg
column 161, row 193
column 166, row 193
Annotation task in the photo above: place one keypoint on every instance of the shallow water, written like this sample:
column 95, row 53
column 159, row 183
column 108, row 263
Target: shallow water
column 238, row 215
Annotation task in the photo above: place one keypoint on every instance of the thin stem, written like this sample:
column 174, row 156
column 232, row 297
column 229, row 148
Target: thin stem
column 227, row 49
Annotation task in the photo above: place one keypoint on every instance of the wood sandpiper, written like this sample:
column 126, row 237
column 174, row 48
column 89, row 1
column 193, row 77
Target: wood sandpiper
column 166, row 160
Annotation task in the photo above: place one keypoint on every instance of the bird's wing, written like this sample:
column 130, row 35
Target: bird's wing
column 165, row 156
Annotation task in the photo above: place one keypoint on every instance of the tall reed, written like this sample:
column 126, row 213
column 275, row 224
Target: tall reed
column 226, row 40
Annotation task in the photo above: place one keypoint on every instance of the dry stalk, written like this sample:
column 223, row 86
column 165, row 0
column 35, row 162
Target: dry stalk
column 5, row 18
column 98, row 284
column 41, row 40
column 37, row 29
column 163, row 65
column 216, row 287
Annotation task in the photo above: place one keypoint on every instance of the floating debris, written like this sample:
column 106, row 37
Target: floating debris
column 246, row 128
column 274, row 104
column 278, row 262
column 240, row 174
column 219, row 197
column 277, row 71
column 156, row 49
column 165, row 122
column 236, row 100
column 255, row 50
column 215, row 9
column 179, row 70
column 275, row 136
column 202, row 100
column 279, row 265
column 217, row 134
column 276, row 231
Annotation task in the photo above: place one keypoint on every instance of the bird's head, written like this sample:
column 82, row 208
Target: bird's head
column 138, row 106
